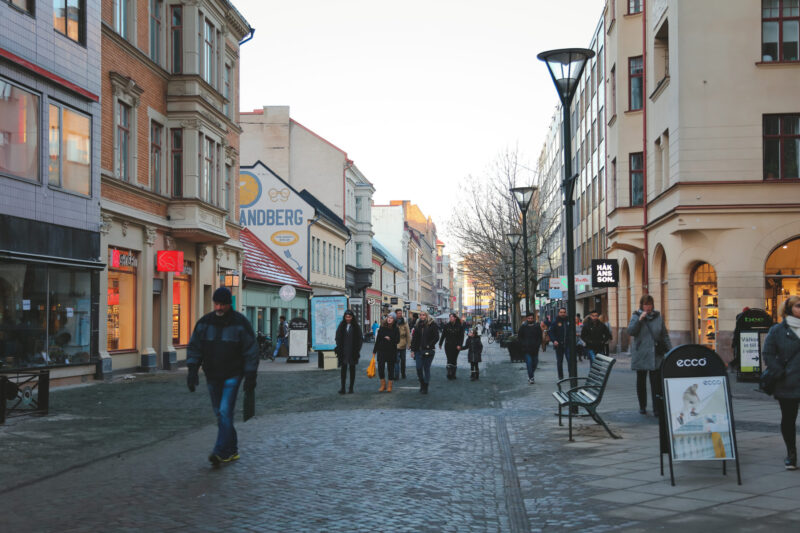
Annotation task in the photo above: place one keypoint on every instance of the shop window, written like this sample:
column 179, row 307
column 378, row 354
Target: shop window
column 121, row 319
column 706, row 304
column 19, row 132
column 781, row 147
column 69, row 18
column 70, row 150
column 780, row 30
column 23, row 324
column 782, row 274
column 69, row 324
column 182, row 308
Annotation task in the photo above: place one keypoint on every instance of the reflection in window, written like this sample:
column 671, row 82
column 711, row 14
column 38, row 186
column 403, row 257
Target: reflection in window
column 68, row 17
column 23, row 319
column 19, row 132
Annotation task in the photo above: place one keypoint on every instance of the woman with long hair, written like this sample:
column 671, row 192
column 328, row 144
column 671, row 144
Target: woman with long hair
column 348, row 348
column 647, row 351
column 386, row 350
column 453, row 339
column 782, row 355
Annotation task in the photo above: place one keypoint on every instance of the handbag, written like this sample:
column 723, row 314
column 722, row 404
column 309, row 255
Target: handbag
column 768, row 381
column 371, row 368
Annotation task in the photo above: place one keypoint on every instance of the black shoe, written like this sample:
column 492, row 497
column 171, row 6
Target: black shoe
column 642, row 411
column 341, row 391
column 214, row 459
column 791, row 461
column 350, row 390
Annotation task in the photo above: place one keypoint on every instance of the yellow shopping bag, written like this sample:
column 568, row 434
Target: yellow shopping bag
column 371, row 368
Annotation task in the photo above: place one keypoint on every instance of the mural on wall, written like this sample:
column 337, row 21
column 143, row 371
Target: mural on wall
column 276, row 214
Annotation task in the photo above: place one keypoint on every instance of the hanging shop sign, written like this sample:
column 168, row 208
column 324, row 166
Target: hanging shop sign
column 605, row 273
column 169, row 261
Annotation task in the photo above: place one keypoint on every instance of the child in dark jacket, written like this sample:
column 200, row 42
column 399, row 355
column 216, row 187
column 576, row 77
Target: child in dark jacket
column 474, row 348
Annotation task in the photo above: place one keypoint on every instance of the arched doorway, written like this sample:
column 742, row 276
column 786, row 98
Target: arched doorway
column 706, row 308
column 660, row 266
column 782, row 273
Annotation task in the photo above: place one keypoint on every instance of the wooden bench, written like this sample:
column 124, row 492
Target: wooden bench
column 587, row 395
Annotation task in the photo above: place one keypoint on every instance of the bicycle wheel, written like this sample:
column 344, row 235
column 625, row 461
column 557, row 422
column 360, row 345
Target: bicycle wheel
column 490, row 340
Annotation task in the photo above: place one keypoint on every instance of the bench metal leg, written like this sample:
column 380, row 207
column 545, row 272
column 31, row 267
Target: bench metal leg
column 570, row 421
column 559, row 415
column 597, row 418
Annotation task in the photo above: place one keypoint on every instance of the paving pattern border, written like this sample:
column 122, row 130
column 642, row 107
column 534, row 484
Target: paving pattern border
column 515, row 505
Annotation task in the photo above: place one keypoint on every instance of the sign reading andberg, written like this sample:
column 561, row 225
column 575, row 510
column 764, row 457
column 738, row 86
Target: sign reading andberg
column 605, row 273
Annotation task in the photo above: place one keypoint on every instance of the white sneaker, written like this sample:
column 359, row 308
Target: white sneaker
column 530, row 381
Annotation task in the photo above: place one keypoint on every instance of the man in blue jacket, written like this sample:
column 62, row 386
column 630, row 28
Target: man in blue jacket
column 558, row 336
column 224, row 343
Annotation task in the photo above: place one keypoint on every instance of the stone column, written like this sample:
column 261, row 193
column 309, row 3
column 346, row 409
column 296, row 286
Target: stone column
column 149, row 358
column 105, row 364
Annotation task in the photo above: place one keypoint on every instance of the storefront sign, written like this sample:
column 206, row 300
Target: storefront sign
column 393, row 301
column 275, row 214
column 120, row 258
column 605, row 273
column 287, row 293
column 169, row 261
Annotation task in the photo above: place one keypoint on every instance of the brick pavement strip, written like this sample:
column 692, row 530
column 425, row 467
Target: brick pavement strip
column 485, row 456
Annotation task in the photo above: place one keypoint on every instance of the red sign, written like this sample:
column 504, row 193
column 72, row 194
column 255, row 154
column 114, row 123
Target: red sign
column 115, row 258
column 169, row 261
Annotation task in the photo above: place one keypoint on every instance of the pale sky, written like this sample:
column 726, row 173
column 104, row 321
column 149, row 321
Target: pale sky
column 419, row 93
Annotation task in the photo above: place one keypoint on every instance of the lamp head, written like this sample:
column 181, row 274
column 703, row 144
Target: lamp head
column 565, row 66
column 523, row 196
column 513, row 239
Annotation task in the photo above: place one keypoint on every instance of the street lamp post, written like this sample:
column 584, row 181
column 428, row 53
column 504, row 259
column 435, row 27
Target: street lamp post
column 523, row 197
column 565, row 67
column 513, row 241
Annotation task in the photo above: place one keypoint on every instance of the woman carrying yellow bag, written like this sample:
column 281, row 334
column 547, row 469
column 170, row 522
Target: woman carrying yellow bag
column 348, row 348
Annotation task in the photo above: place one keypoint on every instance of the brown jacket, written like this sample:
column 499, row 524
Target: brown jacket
column 405, row 335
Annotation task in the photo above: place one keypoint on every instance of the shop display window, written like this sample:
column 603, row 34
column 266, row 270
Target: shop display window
column 706, row 300
column 121, row 320
column 69, row 326
column 181, row 309
column 782, row 274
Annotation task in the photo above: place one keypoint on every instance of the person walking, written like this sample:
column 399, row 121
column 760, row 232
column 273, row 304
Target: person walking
column 413, row 321
column 423, row 348
column 782, row 353
column 647, row 351
column 558, row 336
column 224, row 344
column 453, row 339
column 283, row 336
column 474, row 347
column 386, row 351
column 529, row 337
column 348, row 348
column 545, row 336
column 375, row 328
column 595, row 334
column 402, row 345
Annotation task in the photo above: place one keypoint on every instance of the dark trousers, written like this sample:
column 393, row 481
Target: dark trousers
column 352, row 375
column 452, row 358
column 474, row 372
column 789, row 423
column 561, row 353
column 655, row 388
column 423, row 367
column 400, row 367
column 385, row 367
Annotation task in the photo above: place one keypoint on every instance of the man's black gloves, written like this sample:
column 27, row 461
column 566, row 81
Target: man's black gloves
column 250, row 380
column 192, row 380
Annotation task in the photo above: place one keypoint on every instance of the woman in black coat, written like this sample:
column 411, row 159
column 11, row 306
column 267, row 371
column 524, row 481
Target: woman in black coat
column 348, row 347
column 474, row 348
column 453, row 339
column 782, row 352
column 386, row 350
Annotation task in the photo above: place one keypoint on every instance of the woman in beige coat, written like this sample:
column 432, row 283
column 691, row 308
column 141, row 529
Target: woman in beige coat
column 402, row 345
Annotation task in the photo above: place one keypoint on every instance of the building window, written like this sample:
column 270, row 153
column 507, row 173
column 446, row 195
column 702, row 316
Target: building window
column 324, row 263
column 637, row 179
column 635, row 71
column 156, row 8
column 69, row 18
column 123, row 140
column 780, row 30
column 613, row 81
column 156, row 132
column 176, row 149
column 182, row 307
column 209, row 178
column 227, row 107
column 122, row 15
column 634, row 6
column 121, row 316
column 176, row 38
column 70, row 150
column 19, row 132
column 781, row 147
column 226, row 193
column 207, row 70
column 28, row 6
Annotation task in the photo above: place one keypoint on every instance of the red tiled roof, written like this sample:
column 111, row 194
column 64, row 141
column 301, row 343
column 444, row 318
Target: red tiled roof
column 263, row 264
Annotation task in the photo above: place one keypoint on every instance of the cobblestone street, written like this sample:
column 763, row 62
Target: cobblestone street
column 485, row 456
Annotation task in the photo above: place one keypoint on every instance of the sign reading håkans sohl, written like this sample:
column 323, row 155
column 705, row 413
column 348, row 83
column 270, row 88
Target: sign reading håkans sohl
column 276, row 214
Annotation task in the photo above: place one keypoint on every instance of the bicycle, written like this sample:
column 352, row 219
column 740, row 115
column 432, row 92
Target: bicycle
column 491, row 338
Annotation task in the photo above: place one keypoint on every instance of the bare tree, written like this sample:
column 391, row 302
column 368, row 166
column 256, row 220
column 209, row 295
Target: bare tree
column 486, row 212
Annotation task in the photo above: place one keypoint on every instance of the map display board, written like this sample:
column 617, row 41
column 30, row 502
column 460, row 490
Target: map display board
column 326, row 313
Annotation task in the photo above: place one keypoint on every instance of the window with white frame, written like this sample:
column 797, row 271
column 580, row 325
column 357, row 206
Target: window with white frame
column 227, row 91
column 156, row 161
column 176, row 162
column 70, row 150
column 124, row 19
column 176, row 39
column 207, row 42
column 123, row 141
column 156, row 27
column 19, row 132
column 126, row 101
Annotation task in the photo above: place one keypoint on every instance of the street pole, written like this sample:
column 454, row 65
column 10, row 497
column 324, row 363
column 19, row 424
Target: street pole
column 514, row 290
column 525, row 251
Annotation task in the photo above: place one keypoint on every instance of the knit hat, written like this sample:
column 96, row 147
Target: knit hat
column 223, row 296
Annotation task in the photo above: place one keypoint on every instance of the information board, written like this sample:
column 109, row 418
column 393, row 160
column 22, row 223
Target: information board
column 326, row 314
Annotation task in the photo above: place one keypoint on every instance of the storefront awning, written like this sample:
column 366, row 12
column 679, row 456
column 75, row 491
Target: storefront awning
column 52, row 260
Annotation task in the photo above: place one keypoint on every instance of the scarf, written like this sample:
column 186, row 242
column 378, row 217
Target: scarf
column 794, row 323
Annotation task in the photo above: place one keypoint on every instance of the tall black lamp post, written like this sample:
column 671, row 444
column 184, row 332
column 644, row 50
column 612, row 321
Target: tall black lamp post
column 565, row 66
column 513, row 241
column 523, row 197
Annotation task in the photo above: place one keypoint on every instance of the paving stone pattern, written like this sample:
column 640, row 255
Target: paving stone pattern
column 485, row 456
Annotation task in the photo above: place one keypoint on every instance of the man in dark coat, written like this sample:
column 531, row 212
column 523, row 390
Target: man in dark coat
column 348, row 348
column 529, row 337
column 595, row 334
column 453, row 339
column 224, row 343
column 558, row 336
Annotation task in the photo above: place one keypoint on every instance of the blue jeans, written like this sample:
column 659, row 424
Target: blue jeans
column 531, row 362
column 590, row 354
column 278, row 343
column 223, row 400
column 423, row 367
